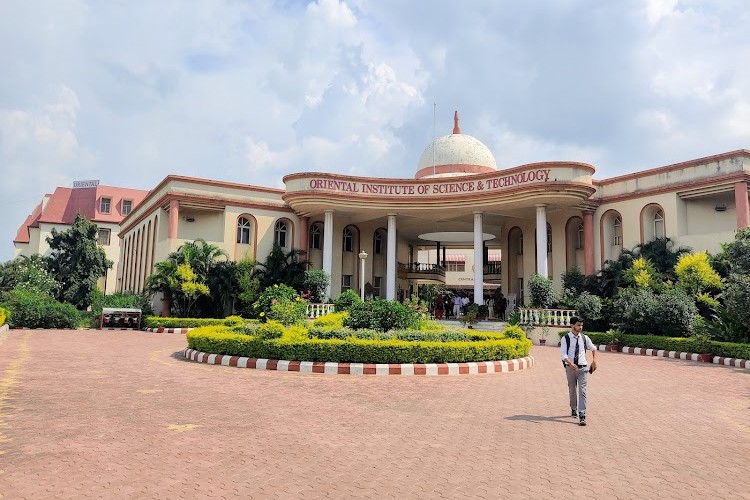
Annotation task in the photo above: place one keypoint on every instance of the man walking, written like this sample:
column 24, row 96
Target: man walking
column 573, row 347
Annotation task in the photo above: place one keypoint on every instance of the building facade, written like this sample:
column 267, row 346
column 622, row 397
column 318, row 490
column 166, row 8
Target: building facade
column 503, row 225
column 458, row 221
column 107, row 206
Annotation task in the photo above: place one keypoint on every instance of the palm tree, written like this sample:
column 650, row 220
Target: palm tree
column 663, row 254
column 282, row 268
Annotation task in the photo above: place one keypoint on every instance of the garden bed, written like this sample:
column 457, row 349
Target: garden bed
column 296, row 345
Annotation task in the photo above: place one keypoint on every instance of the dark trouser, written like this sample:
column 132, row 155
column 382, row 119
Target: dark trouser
column 577, row 380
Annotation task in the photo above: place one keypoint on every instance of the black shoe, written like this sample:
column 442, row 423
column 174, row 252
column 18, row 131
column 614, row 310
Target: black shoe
column 573, row 413
column 582, row 421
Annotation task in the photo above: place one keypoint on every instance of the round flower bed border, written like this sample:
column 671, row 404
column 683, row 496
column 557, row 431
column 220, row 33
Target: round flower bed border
column 334, row 368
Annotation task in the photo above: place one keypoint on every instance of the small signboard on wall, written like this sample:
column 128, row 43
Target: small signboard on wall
column 85, row 184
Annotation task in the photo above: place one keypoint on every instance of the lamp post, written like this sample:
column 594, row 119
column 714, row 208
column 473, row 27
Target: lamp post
column 362, row 257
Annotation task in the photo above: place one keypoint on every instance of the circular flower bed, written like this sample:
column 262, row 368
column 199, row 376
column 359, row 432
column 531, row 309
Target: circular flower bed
column 297, row 343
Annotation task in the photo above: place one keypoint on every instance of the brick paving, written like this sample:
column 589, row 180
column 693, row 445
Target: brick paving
column 118, row 414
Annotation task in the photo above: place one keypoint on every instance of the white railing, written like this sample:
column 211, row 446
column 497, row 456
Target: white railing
column 546, row 317
column 318, row 310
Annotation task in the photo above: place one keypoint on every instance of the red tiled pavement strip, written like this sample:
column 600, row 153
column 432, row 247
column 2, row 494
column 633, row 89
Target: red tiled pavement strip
column 121, row 414
column 328, row 368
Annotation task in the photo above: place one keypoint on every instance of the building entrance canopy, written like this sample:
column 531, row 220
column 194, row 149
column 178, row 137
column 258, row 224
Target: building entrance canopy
column 517, row 190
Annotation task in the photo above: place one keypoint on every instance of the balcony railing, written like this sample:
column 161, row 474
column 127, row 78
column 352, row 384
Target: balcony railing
column 318, row 310
column 422, row 268
column 546, row 317
column 493, row 268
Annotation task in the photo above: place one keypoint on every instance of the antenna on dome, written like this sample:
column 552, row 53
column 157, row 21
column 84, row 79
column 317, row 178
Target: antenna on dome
column 434, row 107
column 456, row 128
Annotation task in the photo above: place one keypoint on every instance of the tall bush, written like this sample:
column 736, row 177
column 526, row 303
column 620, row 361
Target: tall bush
column 541, row 291
column 382, row 315
column 38, row 310
column 346, row 301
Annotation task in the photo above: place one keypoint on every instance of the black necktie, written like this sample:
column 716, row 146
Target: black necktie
column 575, row 358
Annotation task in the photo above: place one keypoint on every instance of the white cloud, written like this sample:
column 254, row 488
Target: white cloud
column 251, row 91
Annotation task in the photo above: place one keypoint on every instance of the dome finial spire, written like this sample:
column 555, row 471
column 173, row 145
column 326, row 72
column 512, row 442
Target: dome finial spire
column 456, row 128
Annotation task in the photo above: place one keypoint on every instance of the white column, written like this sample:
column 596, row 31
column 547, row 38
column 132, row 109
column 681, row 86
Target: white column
column 328, row 247
column 390, row 289
column 541, row 240
column 478, row 260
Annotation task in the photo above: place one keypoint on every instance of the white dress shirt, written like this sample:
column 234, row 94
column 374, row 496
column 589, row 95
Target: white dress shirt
column 584, row 343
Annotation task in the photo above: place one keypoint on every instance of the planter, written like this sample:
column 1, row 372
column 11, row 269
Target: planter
column 706, row 357
column 542, row 341
column 613, row 348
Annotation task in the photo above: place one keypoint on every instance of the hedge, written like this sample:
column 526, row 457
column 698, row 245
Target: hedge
column 485, row 347
column 681, row 344
column 159, row 322
column 37, row 310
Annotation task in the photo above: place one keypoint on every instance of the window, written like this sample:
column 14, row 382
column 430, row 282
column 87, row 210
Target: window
column 579, row 241
column 348, row 240
column 377, row 284
column 279, row 233
column 378, row 241
column 549, row 238
column 617, row 226
column 346, row 282
column 456, row 267
column 520, row 291
column 658, row 224
column 520, row 245
column 105, row 205
column 127, row 206
column 243, row 231
column 315, row 234
column 104, row 235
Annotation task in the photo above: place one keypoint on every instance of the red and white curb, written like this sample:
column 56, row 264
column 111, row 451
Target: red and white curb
column 161, row 329
column 329, row 368
column 688, row 356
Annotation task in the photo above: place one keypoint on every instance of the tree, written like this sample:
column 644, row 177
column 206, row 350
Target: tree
column 248, row 287
column 181, row 288
column 695, row 274
column 662, row 254
column 27, row 273
column 77, row 261
column 314, row 285
column 282, row 269
column 190, row 288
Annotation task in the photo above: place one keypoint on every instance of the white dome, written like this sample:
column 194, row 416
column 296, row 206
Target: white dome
column 455, row 154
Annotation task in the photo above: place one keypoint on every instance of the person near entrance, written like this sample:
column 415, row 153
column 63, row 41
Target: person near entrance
column 573, row 347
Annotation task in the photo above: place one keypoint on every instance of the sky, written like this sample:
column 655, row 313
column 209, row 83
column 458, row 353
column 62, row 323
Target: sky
column 130, row 91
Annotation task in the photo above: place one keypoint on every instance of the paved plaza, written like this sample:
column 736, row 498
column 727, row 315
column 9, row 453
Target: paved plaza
column 120, row 414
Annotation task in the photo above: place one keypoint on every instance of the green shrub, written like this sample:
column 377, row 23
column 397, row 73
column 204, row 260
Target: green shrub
column 641, row 311
column 482, row 347
column 633, row 310
column 332, row 320
column 270, row 330
column 346, row 301
column 288, row 312
column 382, row 315
column 38, row 310
column 675, row 313
column 272, row 295
column 159, row 322
column 588, row 307
column 514, row 332
column 541, row 291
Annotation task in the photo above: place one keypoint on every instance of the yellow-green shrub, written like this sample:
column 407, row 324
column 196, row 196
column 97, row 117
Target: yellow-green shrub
column 483, row 347
column 4, row 313
column 332, row 320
